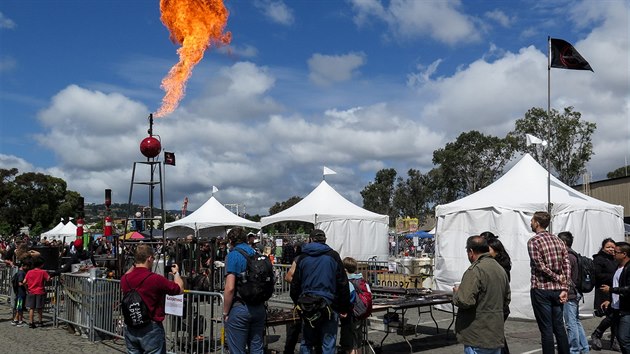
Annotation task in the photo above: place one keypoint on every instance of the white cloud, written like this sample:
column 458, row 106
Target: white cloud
column 327, row 69
column 500, row 17
column 9, row 161
column 277, row 11
column 441, row 20
column 6, row 22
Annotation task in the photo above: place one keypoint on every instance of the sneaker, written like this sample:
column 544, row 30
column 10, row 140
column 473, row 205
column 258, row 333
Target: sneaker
column 615, row 346
column 32, row 325
column 596, row 341
column 21, row 324
column 14, row 322
column 40, row 324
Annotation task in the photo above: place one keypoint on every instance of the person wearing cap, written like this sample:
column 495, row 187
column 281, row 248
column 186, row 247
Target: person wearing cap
column 319, row 273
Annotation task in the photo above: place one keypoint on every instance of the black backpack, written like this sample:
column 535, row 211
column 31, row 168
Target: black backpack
column 135, row 311
column 256, row 284
column 586, row 270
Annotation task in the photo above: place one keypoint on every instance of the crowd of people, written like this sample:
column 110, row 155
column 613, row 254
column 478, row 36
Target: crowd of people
column 323, row 289
column 483, row 296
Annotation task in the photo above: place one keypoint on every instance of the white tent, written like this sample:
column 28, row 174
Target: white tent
column 210, row 220
column 48, row 234
column 350, row 230
column 505, row 208
column 69, row 231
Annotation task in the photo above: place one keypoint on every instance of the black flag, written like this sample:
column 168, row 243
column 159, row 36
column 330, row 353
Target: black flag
column 169, row 158
column 564, row 56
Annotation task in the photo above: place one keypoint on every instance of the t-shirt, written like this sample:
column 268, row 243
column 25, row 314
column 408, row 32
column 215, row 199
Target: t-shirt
column 236, row 263
column 153, row 290
column 615, row 284
column 36, row 280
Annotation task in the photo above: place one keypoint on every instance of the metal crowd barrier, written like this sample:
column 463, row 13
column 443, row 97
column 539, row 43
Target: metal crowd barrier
column 93, row 306
column 6, row 290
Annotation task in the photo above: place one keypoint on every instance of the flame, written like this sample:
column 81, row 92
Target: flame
column 195, row 25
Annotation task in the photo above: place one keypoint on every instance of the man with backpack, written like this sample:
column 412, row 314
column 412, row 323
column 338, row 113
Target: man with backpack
column 320, row 291
column 144, row 332
column 575, row 332
column 248, row 284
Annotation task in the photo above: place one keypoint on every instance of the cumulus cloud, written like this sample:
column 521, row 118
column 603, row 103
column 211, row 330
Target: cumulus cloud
column 9, row 161
column 328, row 69
column 276, row 11
column 442, row 21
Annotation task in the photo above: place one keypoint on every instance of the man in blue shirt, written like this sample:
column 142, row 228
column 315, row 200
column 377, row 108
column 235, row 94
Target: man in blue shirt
column 244, row 323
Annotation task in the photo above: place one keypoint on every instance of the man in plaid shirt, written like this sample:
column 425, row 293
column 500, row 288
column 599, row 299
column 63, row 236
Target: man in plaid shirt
column 551, row 273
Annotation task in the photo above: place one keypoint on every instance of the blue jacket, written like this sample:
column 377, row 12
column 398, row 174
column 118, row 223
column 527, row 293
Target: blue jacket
column 320, row 272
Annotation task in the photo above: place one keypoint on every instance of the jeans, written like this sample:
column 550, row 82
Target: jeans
column 149, row 339
column 476, row 350
column 549, row 316
column 577, row 338
column 245, row 325
column 623, row 332
column 325, row 332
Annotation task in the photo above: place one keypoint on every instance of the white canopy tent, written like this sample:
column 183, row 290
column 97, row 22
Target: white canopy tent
column 505, row 208
column 209, row 221
column 67, row 231
column 48, row 234
column 350, row 230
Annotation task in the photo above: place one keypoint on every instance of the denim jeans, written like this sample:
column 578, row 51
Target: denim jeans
column 325, row 332
column 146, row 340
column 549, row 316
column 476, row 350
column 245, row 325
column 623, row 332
column 577, row 338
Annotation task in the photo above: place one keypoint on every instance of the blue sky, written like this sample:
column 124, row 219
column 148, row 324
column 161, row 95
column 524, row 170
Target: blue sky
column 353, row 85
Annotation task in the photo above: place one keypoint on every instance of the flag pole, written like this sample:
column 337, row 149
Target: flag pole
column 548, row 124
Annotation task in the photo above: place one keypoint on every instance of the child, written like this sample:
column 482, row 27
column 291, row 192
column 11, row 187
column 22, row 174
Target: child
column 35, row 280
column 20, row 295
column 351, row 331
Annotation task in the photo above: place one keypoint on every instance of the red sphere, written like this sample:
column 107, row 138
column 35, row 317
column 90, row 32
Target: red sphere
column 150, row 147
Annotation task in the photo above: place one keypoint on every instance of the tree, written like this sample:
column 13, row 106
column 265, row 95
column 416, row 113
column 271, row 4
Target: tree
column 378, row 195
column 470, row 163
column 622, row 171
column 31, row 199
column 412, row 196
column 570, row 145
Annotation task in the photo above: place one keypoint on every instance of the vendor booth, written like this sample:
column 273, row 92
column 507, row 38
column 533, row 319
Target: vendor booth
column 350, row 230
column 505, row 208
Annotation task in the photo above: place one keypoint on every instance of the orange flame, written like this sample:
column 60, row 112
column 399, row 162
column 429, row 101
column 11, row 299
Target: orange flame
column 195, row 25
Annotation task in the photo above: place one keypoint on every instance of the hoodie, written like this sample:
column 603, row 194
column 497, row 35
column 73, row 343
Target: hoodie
column 320, row 272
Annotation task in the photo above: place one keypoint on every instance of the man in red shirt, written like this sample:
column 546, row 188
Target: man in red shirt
column 153, row 289
column 35, row 281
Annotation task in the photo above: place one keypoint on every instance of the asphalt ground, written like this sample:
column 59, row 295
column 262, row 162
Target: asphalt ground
column 522, row 336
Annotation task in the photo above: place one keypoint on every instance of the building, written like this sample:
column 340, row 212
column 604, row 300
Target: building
column 613, row 191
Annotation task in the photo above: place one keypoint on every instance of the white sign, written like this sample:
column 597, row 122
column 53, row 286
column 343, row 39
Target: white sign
column 278, row 242
column 174, row 305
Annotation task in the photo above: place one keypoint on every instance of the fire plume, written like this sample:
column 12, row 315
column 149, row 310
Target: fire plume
column 195, row 25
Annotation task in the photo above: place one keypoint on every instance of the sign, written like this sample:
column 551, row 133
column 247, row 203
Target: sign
column 174, row 305
column 279, row 242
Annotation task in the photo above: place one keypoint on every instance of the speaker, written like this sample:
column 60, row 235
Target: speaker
column 50, row 255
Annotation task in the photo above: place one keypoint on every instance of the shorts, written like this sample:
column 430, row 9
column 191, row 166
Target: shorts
column 19, row 303
column 35, row 301
column 351, row 333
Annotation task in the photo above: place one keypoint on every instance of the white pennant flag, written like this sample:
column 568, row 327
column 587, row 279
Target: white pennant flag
column 534, row 140
column 214, row 189
column 328, row 171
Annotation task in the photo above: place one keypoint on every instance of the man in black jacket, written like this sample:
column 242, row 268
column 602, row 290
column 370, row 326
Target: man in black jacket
column 320, row 281
column 621, row 295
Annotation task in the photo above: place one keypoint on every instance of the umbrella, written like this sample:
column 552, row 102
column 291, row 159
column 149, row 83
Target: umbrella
column 133, row 235
column 420, row 234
